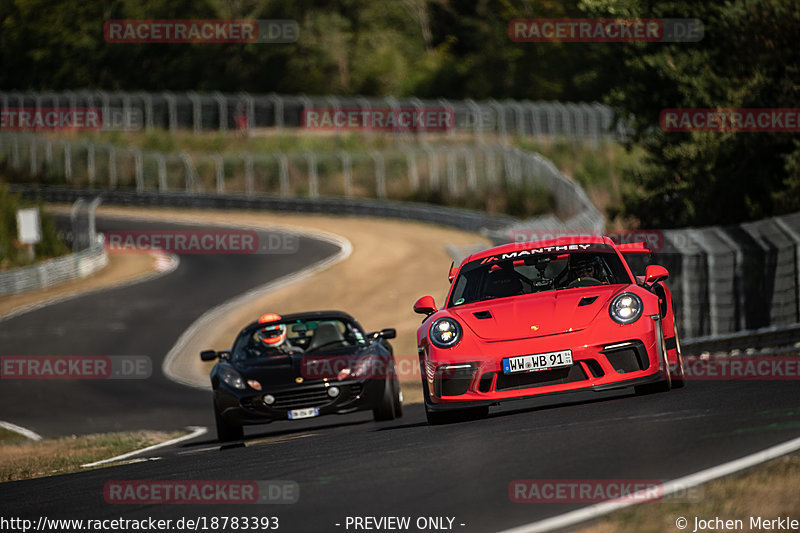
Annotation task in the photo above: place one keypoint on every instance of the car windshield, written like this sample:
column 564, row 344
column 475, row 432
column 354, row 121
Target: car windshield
column 536, row 270
column 298, row 337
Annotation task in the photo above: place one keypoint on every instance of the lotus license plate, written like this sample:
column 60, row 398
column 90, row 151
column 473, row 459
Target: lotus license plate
column 309, row 412
column 540, row 361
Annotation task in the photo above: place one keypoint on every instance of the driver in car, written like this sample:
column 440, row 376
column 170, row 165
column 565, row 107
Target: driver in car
column 582, row 269
column 275, row 341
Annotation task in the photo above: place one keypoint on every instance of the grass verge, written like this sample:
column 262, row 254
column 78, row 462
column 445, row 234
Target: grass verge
column 769, row 491
column 27, row 460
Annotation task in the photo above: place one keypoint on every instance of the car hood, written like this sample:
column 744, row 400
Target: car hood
column 536, row 315
column 277, row 370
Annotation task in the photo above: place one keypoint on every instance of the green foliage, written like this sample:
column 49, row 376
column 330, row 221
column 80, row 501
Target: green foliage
column 12, row 253
column 425, row 48
column 516, row 200
column 747, row 59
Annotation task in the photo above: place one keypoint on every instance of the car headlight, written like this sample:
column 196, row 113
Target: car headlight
column 232, row 378
column 445, row 332
column 626, row 308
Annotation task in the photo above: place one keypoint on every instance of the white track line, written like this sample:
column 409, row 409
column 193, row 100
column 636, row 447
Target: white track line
column 210, row 317
column 692, row 480
column 25, row 432
column 196, row 431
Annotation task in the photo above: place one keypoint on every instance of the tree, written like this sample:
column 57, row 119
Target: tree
column 747, row 59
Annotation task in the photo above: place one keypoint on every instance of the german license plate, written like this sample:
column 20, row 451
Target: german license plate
column 297, row 414
column 540, row 361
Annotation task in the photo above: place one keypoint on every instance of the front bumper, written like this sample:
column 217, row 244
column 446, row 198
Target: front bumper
column 247, row 407
column 603, row 359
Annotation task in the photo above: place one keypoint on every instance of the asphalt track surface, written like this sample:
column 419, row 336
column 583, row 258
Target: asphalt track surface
column 351, row 466
column 143, row 319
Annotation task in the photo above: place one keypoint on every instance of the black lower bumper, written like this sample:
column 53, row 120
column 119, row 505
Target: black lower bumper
column 656, row 377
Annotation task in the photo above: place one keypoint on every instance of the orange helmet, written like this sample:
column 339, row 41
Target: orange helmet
column 273, row 335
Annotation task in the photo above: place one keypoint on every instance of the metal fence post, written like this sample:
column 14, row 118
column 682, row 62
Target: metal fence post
column 172, row 111
column 347, row 172
column 219, row 164
column 794, row 235
column 197, row 112
column 90, row 164
column 189, row 172
column 452, row 171
column 411, row 163
column 313, row 179
column 32, row 156
column 139, row 168
column 433, row 168
column 112, row 167
column 277, row 110
column 222, row 110
column 380, row 173
column 15, row 152
column 283, row 163
column 67, row 161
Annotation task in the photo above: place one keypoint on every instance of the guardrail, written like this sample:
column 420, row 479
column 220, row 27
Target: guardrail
column 447, row 216
column 52, row 271
column 454, row 172
column 724, row 279
column 219, row 111
column 773, row 340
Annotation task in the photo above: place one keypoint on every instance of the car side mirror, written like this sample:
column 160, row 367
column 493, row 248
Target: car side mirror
column 654, row 274
column 208, row 355
column 425, row 305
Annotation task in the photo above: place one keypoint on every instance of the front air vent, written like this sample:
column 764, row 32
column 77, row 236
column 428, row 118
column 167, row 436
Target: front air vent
column 587, row 300
column 482, row 315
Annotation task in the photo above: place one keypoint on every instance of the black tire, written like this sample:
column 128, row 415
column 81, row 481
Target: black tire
column 660, row 386
column 227, row 432
column 398, row 400
column 678, row 381
column 386, row 409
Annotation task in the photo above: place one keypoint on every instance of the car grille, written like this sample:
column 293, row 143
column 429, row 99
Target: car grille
column 298, row 399
column 302, row 398
column 543, row 378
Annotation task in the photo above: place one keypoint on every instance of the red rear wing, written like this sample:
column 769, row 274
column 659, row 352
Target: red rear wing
column 638, row 248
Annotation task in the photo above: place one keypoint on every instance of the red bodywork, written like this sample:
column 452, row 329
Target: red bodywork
column 605, row 354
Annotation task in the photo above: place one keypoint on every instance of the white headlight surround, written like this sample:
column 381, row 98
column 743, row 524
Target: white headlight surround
column 626, row 308
column 445, row 332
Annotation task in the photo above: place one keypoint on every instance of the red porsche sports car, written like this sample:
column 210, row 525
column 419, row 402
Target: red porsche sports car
column 536, row 318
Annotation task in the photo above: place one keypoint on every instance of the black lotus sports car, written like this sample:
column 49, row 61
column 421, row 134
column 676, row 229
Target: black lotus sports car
column 302, row 366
